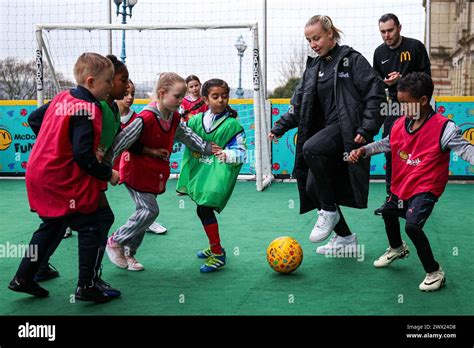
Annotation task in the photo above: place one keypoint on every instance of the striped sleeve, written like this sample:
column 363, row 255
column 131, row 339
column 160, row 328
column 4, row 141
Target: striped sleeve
column 236, row 149
column 453, row 140
column 187, row 136
column 381, row 146
column 125, row 139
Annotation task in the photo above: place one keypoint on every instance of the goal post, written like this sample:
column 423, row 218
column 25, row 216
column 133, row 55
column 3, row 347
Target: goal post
column 165, row 48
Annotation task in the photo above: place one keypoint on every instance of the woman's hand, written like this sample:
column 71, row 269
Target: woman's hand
column 356, row 154
column 273, row 137
column 359, row 139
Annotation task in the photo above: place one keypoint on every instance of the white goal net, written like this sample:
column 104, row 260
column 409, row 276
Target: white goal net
column 208, row 51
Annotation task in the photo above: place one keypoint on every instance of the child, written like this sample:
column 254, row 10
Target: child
column 127, row 116
column 110, row 128
column 156, row 127
column 111, row 113
column 420, row 144
column 192, row 103
column 65, row 178
column 210, row 182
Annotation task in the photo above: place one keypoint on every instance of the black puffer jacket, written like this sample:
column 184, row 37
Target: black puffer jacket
column 359, row 93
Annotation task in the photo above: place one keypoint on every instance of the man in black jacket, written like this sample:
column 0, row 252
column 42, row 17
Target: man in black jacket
column 336, row 107
column 396, row 57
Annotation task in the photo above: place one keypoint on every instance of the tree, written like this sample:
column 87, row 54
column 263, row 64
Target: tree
column 18, row 79
column 287, row 90
column 291, row 70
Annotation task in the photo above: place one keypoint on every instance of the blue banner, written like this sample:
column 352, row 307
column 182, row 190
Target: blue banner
column 17, row 139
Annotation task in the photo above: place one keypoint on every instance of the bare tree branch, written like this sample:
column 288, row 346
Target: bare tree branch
column 18, row 79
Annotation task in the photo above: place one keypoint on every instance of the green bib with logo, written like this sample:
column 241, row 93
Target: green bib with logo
column 204, row 178
column 110, row 125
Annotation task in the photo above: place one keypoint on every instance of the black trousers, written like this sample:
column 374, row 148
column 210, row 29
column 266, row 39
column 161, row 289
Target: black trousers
column 321, row 153
column 105, row 221
column 416, row 211
column 51, row 231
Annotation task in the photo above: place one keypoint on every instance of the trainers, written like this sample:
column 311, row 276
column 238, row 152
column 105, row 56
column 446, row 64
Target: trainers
column 204, row 254
column 68, row 233
column 391, row 255
column 157, row 228
column 115, row 253
column 45, row 274
column 91, row 293
column 133, row 264
column 107, row 289
column 213, row 263
column 326, row 222
column 32, row 288
column 433, row 281
column 337, row 245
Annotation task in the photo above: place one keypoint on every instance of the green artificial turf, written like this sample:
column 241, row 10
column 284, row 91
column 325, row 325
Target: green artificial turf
column 172, row 284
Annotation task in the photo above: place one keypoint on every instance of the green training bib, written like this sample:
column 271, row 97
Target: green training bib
column 206, row 180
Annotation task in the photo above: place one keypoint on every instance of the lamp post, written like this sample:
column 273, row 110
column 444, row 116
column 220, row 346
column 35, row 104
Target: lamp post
column 241, row 47
column 124, row 13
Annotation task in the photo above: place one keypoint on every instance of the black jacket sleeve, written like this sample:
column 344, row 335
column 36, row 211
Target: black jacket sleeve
column 291, row 118
column 82, row 138
column 36, row 118
column 372, row 92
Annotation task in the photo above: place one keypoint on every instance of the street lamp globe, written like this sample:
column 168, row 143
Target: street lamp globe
column 241, row 45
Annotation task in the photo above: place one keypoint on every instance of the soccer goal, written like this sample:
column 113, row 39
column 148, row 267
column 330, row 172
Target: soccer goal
column 208, row 51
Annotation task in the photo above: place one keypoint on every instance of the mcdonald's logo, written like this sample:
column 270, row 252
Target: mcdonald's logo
column 405, row 55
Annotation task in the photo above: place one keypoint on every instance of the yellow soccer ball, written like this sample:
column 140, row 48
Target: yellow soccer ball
column 284, row 255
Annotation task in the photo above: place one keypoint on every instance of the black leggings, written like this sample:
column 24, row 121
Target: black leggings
column 416, row 211
column 322, row 151
column 206, row 214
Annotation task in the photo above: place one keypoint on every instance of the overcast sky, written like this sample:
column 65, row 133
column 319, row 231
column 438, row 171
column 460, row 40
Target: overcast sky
column 207, row 54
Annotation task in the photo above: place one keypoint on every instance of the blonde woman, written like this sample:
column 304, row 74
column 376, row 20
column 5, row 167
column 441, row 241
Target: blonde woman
column 336, row 107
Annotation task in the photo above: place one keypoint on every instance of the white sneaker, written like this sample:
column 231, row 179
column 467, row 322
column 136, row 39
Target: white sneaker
column 433, row 281
column 115, row 253
column 391, row 255
column 340, row 246
column 326, row 222
column 133, row 264
column 157, row 228
column 68, row 232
